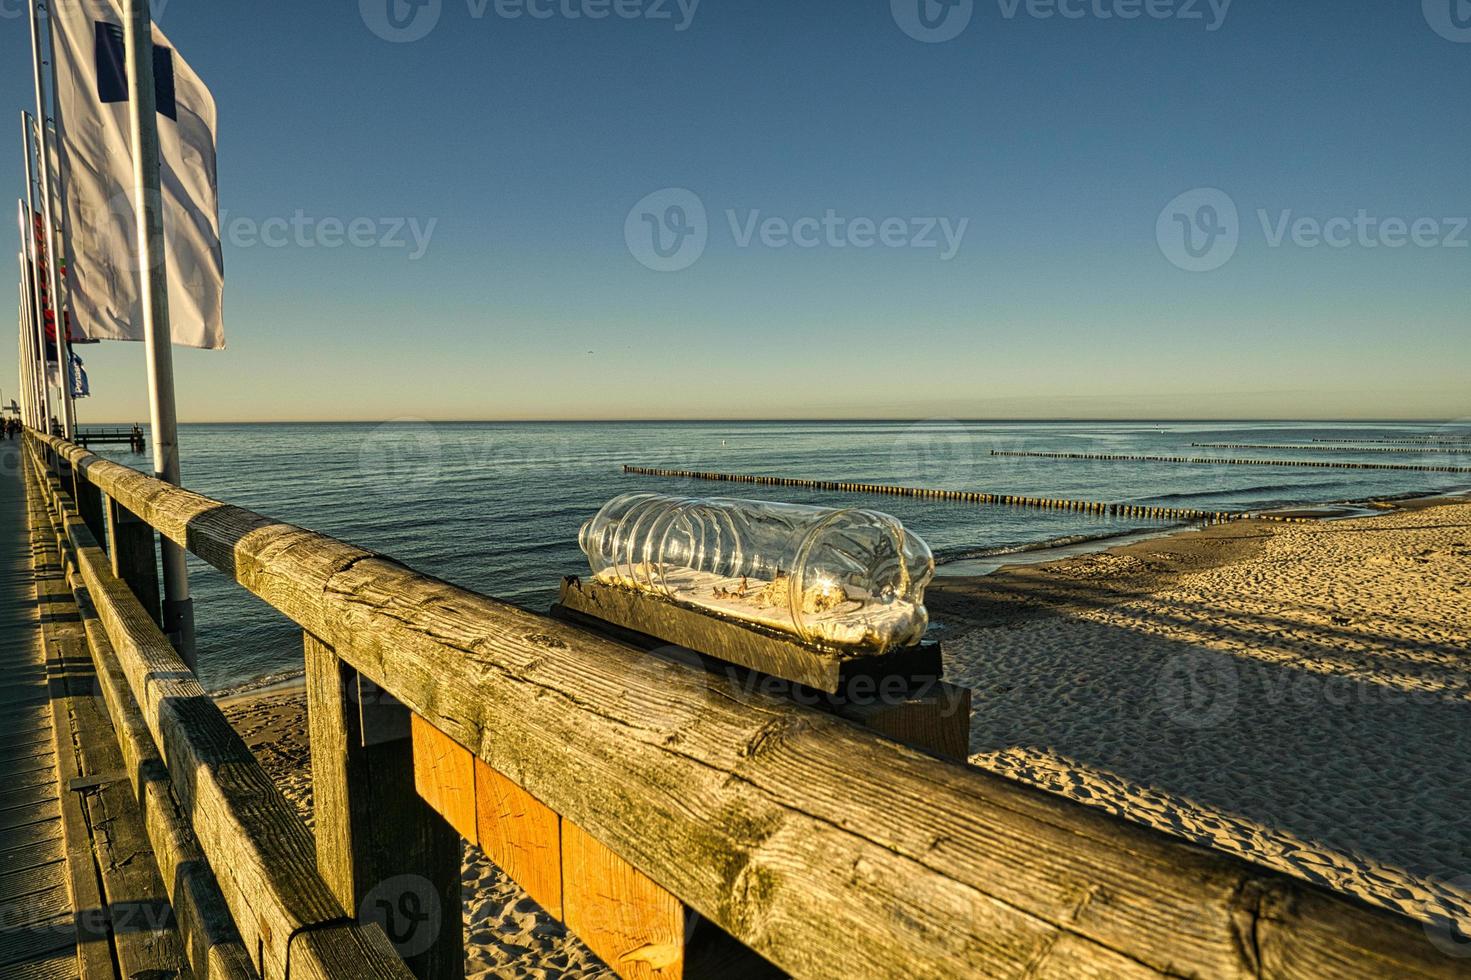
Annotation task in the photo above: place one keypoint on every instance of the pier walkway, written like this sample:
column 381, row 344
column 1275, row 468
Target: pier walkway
column 37, row 937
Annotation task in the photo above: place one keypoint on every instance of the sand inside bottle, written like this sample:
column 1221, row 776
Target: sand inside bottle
column 834, row 613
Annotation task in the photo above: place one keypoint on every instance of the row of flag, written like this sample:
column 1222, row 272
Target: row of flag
column 90, row 167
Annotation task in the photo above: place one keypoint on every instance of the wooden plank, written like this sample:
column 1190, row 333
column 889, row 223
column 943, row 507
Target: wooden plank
column 62, row 640
column 132, row 551
column 29, row 937
column 41, row 905
column 18, row 884
column 26, row 837
column 935, row 718
column 46, row 808
column 521, row 836
column 824, row 848
column 89, row 503
column 140, row 919
column 262, row 854
column 444, row 776
column 636, row 927
column 388, row 857
column 43, row 966
column 27, row 858
column 750, row 646
column 211, row 942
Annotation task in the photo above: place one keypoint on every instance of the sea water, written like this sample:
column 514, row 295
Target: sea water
column 495, row 507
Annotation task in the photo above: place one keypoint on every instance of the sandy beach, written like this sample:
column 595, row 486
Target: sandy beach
column 1295, row 694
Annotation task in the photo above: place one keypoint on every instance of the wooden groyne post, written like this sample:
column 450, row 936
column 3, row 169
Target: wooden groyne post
column 1426, row 448
column 1217, row 461
column 966, row 496
column 819, row 845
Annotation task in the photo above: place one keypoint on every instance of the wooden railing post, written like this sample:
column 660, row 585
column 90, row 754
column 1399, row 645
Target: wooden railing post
column 387, row 856
column 90, row 506
column 130, row 545
column 64, row 474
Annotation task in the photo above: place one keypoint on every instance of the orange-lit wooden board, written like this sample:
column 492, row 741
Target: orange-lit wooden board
column 444, row 775
column 521, row 836
column 636, row 927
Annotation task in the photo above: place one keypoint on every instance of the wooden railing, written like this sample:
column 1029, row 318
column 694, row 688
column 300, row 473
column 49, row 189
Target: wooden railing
column 827, row 849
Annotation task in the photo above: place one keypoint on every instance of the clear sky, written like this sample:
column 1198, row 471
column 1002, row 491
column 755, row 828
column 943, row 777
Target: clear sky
column 1051, row 147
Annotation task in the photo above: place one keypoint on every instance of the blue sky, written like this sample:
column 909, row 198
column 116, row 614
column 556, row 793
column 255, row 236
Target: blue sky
column 517, row 147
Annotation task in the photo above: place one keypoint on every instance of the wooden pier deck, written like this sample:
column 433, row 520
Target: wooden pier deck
column 37, row 931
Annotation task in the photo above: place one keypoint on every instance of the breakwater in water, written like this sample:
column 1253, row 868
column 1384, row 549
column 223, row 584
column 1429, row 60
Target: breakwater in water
column 1215, row 461
column 1414, row 441
column 963, row 496
column 1425, row 448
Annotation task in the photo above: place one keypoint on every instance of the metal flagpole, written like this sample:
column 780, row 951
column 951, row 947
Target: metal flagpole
column 28, row 326
column 27, row 379
column 28, row 345
column 28, row 142
column 33, row 376
column 25, row 361
column 53, row 264
column 158, row 336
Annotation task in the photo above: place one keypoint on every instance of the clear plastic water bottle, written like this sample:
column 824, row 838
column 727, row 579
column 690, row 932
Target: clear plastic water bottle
column 834, row 578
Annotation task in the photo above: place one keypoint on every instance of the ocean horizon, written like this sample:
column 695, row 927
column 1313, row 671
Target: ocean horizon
column 495, row 506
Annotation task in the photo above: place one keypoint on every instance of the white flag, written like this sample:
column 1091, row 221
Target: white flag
column 102, row 240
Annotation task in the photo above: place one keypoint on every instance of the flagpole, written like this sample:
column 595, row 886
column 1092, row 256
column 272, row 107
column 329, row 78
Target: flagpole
column 38, row 307
column 63, row 228
column 28, row 343
column 28, row 325
column 24, row 361
column 20, row 353
column 53, row 265
column 158, row 337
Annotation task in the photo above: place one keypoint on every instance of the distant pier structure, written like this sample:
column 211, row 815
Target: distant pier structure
column 118, row 436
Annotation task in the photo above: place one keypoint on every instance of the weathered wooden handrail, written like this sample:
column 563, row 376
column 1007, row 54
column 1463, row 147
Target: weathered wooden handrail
column 262, row 855
column 825, row 848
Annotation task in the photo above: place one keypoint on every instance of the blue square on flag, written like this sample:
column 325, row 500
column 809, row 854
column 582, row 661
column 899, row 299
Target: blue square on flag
column 112, row 72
